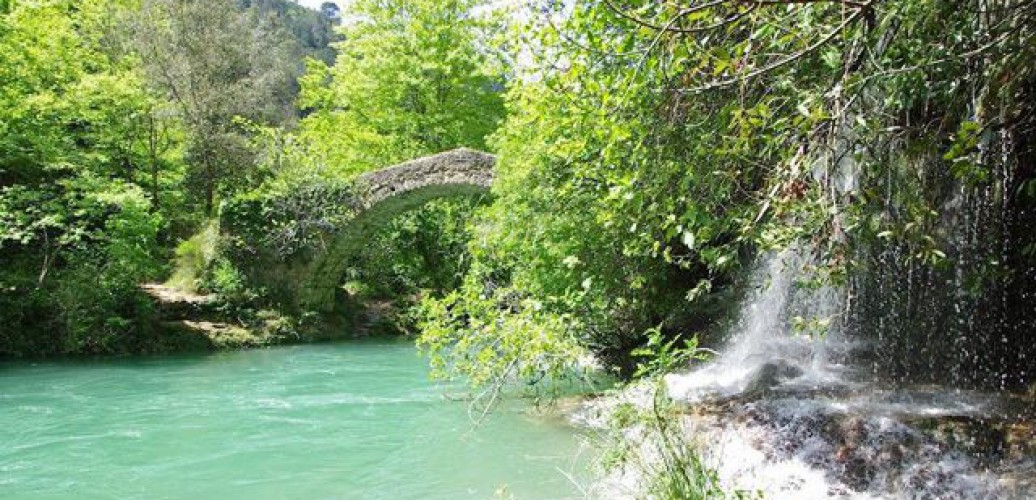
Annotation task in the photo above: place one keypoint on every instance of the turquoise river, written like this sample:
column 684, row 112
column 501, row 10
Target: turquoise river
column 353, row 420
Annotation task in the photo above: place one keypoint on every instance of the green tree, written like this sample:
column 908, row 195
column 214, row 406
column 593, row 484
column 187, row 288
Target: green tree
column 411, row 78
column 77, row 232
column 313, row 31
column 217, row 63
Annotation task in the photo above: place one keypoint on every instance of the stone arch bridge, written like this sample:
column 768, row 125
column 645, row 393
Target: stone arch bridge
column 385, row 193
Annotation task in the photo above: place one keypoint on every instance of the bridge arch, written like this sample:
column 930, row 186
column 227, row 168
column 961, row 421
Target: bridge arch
column 385, row 193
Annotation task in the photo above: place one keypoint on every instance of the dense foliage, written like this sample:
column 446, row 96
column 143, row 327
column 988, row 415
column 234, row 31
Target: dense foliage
column 312, row 32
column 76, row 163
column 101, row 143
column 410, row 79
column 218, row 66
column 653, row 146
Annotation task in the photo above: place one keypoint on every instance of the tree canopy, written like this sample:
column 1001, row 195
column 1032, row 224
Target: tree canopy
column 411, row 78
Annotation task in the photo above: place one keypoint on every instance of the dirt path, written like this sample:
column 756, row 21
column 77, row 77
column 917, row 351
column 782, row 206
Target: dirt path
column 164, row 294
column 189, row 315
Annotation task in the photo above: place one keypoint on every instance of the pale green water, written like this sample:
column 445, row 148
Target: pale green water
column 354, row 420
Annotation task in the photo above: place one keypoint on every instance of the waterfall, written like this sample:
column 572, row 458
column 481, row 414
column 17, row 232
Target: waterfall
column 965, row 320
column 784, row 327
column 799, row 415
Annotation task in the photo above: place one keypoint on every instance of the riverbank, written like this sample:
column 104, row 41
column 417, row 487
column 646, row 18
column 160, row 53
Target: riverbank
column 186, row 321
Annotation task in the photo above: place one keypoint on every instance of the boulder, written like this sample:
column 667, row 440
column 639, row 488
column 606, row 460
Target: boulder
column 770, row 375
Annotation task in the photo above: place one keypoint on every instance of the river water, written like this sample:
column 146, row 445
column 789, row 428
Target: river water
column 352, row 420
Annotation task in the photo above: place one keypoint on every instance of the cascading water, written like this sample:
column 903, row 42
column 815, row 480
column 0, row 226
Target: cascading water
column 965, row 320
column 966, row 316
column 791, row 412
column 774, row 336
column 800, row 415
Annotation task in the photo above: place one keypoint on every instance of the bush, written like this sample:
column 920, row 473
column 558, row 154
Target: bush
column 193, row 257
column 86, row 298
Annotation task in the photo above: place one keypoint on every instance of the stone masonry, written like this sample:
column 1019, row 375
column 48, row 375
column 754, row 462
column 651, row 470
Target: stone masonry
column 385, row 193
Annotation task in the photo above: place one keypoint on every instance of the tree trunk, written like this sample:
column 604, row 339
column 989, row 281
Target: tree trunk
column 210, row 184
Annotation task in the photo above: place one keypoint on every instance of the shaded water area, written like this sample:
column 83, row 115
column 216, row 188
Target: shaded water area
column 350, row 420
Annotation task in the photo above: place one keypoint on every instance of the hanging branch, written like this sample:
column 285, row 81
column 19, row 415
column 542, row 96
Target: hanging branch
column 675, row 26
column 776, row 64
column 752, row 4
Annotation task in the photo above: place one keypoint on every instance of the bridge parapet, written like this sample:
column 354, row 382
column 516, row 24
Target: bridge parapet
column 458, row 167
